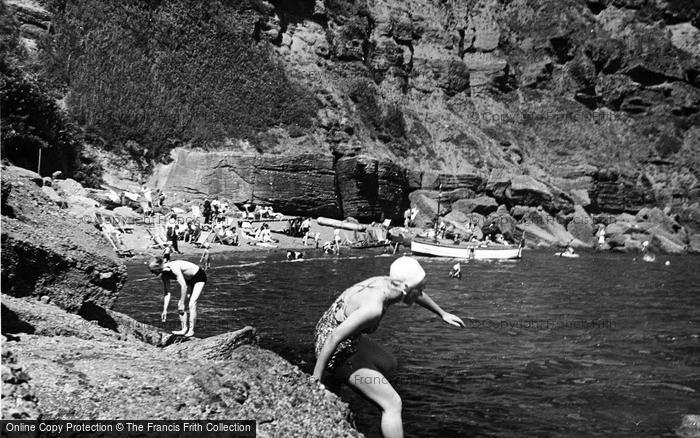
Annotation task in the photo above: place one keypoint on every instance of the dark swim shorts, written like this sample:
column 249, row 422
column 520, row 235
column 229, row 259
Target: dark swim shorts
column 199, row 277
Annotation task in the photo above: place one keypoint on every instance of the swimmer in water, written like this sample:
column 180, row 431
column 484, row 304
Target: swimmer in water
column 647, row 255
column 456, row 271
column 344, row 353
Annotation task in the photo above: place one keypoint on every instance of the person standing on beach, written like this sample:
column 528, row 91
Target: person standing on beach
column 336, row 240
column 305, row 229
column 167, row 251
column 191, row 279
column 601, row 236
column 206, row 210
column 344, row 353
column 206, row 256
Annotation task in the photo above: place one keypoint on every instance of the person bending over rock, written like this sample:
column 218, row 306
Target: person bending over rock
column 191, row 279
column 344, row 353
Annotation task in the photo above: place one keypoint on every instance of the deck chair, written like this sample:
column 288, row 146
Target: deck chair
column 218, row 238
column 203, row 238
column 155, row 237
column 119, row 248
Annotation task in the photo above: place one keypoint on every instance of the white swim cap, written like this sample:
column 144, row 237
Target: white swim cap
column 407, row 270
column 645, row 243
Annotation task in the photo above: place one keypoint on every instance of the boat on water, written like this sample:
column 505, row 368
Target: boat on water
column 467, row 251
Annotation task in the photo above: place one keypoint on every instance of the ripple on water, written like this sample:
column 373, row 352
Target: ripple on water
column 596, row 346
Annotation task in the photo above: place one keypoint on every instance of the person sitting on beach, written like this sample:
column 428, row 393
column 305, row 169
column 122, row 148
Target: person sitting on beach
column 206, row 256
column 343, row 351
column 191, row 279
column 231, row 237
column 265, row 235
column 111, row 232
column 456, row 271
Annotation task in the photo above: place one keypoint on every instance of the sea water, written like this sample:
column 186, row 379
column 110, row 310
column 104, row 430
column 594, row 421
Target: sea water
column 603, row 345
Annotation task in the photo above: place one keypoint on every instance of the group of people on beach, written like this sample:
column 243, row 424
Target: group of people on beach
column 344, row 354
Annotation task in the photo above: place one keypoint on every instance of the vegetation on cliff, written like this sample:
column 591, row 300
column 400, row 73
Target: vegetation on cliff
column 31, row 118
column 167, row 73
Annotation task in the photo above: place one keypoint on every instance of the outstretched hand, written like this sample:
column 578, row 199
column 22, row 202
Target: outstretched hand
column 453, row 320
column 164, row 315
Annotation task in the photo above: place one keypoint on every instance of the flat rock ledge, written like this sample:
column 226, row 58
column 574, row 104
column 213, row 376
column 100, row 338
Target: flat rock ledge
column 60, row 365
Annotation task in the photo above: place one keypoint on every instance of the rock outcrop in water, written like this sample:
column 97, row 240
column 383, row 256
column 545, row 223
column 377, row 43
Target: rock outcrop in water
column 67, row 355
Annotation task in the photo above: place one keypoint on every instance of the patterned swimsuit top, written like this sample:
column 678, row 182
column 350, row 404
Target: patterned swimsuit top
column 333, row 317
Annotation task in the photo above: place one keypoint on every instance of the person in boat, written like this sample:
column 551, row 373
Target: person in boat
column 568, row 250
column 456, row 271
column 345, row 354
column 191, row 279
column 500, row 239
column 442, row 229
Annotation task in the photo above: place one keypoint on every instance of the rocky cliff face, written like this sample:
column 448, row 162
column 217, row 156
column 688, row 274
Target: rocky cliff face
column 555, row 103
column 45, row 254
column 596, row 101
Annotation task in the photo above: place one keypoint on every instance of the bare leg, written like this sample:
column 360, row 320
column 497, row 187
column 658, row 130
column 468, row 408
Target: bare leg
column 196, row 291
column 377, row 388
column 183, row 316
column 367, row 370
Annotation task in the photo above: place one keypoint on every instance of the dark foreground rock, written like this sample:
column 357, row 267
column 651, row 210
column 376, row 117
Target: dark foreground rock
column 91, row 379
column 18, row 399
column 76, row 368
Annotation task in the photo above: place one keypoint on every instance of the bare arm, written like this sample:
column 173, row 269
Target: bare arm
column 425, row 301
column 166, row 299
column 353, row 324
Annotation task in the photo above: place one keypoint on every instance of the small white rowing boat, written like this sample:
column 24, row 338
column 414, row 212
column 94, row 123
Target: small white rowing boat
column 427, row 247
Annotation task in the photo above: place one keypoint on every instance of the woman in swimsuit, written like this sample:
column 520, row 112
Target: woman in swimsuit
column 344, row 353
column 191, row 279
